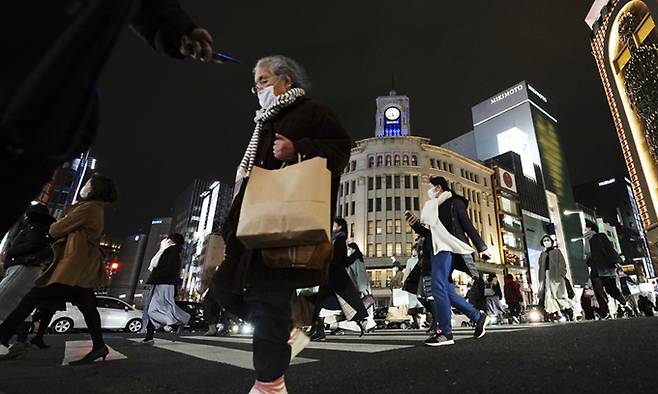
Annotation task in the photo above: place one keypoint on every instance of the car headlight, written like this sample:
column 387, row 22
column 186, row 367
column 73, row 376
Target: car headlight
column 247, row 329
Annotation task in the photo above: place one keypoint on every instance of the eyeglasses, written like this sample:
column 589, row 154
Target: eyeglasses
column 264, row 83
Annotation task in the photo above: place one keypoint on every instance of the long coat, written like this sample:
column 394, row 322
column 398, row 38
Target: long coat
column 78, row 259
column 315, row 132
column 557, row 266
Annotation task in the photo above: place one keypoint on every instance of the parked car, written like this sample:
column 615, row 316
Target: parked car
column 197, row 315
column 115, row 315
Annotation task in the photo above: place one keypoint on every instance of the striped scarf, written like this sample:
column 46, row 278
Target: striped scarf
column 262, row 116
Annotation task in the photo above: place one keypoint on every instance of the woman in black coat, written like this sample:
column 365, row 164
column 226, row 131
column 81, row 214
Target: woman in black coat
column 339, row 284
column 287, row 126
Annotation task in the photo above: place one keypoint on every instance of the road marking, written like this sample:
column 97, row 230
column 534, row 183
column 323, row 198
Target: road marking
column 75, row 350
column 341, row 347
column 237, row 358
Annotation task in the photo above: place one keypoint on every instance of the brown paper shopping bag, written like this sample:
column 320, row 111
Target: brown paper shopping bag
column 287, row 207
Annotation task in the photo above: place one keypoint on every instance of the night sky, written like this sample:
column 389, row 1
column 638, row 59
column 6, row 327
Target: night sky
column 165, row 121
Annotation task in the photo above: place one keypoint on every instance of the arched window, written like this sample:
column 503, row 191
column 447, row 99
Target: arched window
column 397, row 160
column 371, row 161
column 380, row 161
column 414, row 160
column 388, row 161
column 405, row 160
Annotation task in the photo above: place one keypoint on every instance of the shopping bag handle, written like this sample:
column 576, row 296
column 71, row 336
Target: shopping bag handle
column 299, row 160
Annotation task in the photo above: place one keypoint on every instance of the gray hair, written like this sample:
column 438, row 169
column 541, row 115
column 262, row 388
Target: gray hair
column 283, row 66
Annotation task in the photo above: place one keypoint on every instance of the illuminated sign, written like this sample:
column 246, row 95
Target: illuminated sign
column 507, row 180
column 607, row 182
column 541, row 96
column 506, row 94
column 156, row 222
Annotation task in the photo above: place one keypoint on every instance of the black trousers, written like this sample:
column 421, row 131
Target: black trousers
column 270, row 314
column 45, row 317
column 83, row 298
column 606, row 284
column 211, row 308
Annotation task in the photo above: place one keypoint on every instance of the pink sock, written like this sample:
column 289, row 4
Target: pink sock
column 272, row 387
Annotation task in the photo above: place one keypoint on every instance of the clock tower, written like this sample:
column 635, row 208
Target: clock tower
column 392, row 117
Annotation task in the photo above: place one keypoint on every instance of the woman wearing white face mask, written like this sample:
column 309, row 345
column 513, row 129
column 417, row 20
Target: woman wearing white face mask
column 552, row 282
column 287, row 125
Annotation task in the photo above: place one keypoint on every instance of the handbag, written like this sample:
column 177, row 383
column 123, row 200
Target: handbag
column 287, row 207
column 368, row 300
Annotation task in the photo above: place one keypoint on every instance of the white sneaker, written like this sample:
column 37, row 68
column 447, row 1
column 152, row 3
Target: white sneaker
column 298, row 341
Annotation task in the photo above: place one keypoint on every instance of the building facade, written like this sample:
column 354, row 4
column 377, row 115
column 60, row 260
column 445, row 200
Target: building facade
column 215, row 206
column 125, row 273
column 389, row 174
column 66, row 183
column 522, row 120
column 625, row 48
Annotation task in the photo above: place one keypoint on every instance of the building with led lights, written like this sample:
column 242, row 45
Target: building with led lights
column 520, row 119
column 388, row 174
column 125, row 273
column 625, row 48
column 63, row 188
column 205, row 241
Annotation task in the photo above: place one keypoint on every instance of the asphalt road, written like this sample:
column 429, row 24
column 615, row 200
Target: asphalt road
column 607, row 356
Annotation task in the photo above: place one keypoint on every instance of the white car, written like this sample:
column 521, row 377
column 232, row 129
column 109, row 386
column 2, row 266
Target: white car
column 115, row 315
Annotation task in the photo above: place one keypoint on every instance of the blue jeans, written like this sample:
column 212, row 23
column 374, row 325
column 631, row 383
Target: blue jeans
column 445, row 295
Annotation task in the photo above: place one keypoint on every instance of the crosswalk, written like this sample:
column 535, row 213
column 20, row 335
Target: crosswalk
column 236, row 351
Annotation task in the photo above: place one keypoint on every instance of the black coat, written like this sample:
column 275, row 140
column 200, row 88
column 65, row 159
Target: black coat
column 603, row 256
column 340, row 282
column 168, row 270
column 454, row 218
column 30, row 246
column 315, row 132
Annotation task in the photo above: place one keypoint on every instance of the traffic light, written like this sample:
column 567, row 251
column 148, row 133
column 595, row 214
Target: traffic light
column 114, row 266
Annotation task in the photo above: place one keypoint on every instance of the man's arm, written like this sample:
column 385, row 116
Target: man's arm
column 466, row 224
column 168, row 29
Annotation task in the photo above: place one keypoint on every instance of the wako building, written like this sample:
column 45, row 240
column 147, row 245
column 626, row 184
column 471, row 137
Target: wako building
column 520, row 119
column 625, row 47
column 388, row 174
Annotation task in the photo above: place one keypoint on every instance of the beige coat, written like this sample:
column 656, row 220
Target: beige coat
column 78, row 259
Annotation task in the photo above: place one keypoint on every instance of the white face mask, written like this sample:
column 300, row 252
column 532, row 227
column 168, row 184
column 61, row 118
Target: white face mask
column 548, row 244
column 84, row 194
column 266, row 97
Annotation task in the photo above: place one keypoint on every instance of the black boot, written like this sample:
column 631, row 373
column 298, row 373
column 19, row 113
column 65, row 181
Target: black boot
column 318, row 331
column 92, row 356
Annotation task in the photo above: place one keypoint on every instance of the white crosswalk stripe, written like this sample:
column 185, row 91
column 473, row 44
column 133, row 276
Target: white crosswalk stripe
column 75, row 350
column 333, row 346
column 235, row 357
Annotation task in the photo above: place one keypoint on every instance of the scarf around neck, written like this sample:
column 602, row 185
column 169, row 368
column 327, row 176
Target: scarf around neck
column 263, row 115
column 442, row 240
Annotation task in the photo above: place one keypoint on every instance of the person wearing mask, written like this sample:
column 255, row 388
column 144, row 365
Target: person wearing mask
column 602, row 259
column 288, row 124
column 552, row 281
column 77, row 268
column 160, row 309
column 513, row 297
column 339, row 293
column 28, row 251
column 444, row 217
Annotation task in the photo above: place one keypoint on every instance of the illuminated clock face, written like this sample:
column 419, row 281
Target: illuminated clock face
column 392, row 113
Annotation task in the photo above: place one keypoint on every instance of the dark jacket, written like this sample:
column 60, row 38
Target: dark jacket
column 475, row 295
column 30, row 246
column 454, row 218
column 512, row 291
column 603, row 256
column 168, row 270
column 315, row 132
